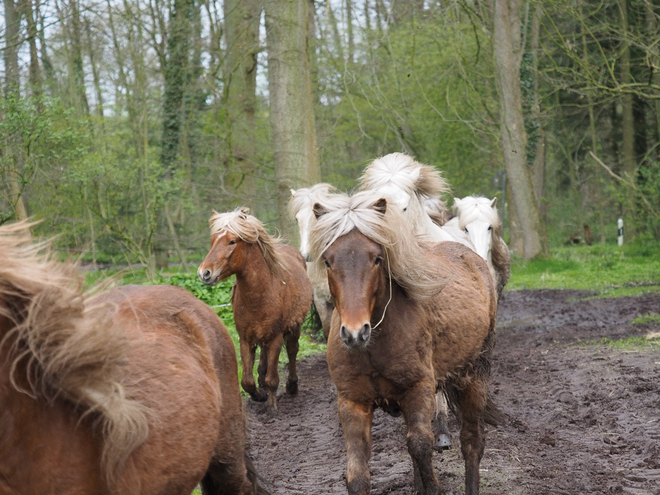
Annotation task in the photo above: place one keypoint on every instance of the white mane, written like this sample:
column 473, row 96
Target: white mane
column 406, row 260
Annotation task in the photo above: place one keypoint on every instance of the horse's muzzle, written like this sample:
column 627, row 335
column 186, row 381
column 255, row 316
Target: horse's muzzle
column 355, row 338
column 206, row 276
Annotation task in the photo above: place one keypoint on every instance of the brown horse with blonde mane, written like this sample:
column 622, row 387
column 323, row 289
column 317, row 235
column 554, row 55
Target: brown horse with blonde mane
column 270, row 300
column 410, row 318
column 132, row 391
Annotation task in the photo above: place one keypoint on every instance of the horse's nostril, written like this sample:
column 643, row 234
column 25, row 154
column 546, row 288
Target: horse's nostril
column 365, row 332
column 345, row 335
column 207, row 274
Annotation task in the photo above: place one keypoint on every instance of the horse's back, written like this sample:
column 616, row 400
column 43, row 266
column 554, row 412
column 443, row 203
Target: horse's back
column 297, row 289
column 176, row 344
column 465, row 310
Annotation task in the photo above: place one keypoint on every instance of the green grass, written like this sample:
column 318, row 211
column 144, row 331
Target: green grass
column 631, row 344
column 645, row 320
column 607, row 270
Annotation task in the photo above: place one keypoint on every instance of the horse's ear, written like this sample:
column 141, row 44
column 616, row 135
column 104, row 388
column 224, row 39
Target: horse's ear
column 457, row 202
column 319, row 210
column 215, row 212
column 493, row 203
column 293, row 192
column 380, row 206
column 245, row 210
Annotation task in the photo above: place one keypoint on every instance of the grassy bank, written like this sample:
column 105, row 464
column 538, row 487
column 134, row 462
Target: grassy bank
column 609, row 271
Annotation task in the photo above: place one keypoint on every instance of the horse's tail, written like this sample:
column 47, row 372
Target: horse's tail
column 254, row 477
column 492, row 415
column 215, row 480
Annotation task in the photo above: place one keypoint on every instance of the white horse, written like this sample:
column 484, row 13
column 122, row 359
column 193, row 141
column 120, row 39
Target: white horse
column 409, row 184
column 301, row 208
column 478, row 218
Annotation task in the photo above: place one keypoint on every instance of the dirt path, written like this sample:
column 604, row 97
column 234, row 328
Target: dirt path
column 580, row 418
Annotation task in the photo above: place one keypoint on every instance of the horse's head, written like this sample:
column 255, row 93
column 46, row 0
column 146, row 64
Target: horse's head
column 229, row 233
column 304, row 218
column 226, row 256
column 478, row 218
column 356, row 279
column 301, row 208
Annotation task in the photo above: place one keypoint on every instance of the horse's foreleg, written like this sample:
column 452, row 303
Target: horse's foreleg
column 292, row 353
column 440, row 428
column 418, row 407
column 247, row 382
column 472, row 401
column 263, row 368
column 356, row 423
column 272, row 375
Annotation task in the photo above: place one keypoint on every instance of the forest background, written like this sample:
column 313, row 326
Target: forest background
column 124, row 122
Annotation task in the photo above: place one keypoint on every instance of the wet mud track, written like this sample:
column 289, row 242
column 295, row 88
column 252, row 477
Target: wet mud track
column 580, row 417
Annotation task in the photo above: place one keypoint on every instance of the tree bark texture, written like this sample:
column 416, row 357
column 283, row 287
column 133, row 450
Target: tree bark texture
column 291, row 110
column 242, row 40
column 627, row 120
column 13, row 149
column 508, row 51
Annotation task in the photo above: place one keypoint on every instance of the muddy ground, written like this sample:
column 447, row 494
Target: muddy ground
column 580, row 417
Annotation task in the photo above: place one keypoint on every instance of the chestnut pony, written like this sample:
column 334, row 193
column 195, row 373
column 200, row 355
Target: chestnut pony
column 410, row 318
column 132, row 391
column 270, row 300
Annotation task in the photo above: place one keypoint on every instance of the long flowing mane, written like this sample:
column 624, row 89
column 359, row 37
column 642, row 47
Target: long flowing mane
column 308, row 196
column 405, row 172
column 405, row 256
column 67, row 343
column 250, row 230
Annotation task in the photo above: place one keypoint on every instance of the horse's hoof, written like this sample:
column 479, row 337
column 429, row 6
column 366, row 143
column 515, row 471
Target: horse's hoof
column 292, row 387
column 442, row 442
column 260, row 396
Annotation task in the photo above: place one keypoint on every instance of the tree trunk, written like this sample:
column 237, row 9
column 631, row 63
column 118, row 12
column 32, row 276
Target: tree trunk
column 240, row 75
column 34, row 72
column 80, row 97
column 291, row 111
column 627, row 120
column 508, row 52
column 14, row 145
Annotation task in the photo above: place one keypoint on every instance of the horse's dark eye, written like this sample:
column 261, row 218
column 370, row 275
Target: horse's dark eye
column 377, row 261
column 405, row 209
column 231, row 243
column 466, row 231
column 327, row 264
column 490, row 227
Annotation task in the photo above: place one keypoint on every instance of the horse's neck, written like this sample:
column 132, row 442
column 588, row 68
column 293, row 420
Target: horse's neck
column 424, row 226
column 255, row 279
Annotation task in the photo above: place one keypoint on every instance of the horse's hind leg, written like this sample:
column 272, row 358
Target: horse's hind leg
column 418, row 407
column 292, row 353
column 472, row 398
column 272, row 375
column 356, row 421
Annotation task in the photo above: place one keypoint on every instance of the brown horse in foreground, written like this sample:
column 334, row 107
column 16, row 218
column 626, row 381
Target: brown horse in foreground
column 271, row 297
column 410, row 319
column 134, row 391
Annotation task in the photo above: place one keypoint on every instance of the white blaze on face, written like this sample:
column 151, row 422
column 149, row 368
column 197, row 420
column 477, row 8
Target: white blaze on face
column 479, row 233
column 305, row 217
